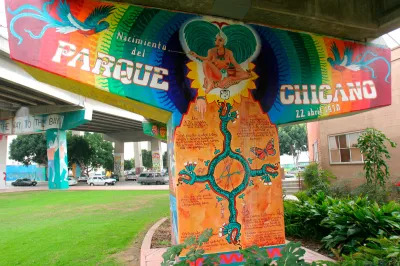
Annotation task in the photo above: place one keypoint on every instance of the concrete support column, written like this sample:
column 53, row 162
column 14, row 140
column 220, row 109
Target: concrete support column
column 156, row 155
column 57, row 159
column 138, row 157
column 149, row 145
column 119, row 159
column 3, row 160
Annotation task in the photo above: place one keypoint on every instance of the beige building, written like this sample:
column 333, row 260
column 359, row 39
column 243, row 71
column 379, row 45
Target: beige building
column 331, row 141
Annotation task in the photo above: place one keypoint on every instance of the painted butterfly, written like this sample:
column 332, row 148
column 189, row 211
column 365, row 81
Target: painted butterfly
column 262, row 153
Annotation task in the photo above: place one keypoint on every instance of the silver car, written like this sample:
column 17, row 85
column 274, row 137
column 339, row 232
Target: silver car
column 153, row 178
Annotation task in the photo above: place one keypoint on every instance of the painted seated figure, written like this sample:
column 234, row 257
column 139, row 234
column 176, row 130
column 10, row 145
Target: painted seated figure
column 220, row 67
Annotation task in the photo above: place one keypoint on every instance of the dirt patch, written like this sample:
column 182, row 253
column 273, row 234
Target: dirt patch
column 162, row 239
column 131, row 256
column 162, row 236
column 311, row 244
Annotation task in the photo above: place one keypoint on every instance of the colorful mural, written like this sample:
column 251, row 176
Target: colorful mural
column 57, row 168
column 32, row 172
column 226, row 85
column 119, row 164
column 155, row 129
column 157, row 57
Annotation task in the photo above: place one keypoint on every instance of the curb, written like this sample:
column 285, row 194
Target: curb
column 146, row 244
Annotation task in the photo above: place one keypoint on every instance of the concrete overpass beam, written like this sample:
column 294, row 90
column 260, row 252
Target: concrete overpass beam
column 57, row 159
column 156, row 155
column 3, row 160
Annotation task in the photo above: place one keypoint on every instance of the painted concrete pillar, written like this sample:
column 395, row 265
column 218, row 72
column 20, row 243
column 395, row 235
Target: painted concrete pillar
column 119, row 159
column 156, row 155
column 57, row 168
column 3, row 160
column 138, row 157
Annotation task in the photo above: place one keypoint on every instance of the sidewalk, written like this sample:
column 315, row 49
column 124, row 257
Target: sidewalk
column 122, row 185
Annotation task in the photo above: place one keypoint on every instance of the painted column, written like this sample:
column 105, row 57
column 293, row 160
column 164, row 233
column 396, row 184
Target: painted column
column 156, row 155
column 57, row 168
column 138, row 157
column 3, row 160
column 119, row 159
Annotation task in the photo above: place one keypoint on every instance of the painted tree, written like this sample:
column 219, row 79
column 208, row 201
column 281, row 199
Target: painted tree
column 293, row 140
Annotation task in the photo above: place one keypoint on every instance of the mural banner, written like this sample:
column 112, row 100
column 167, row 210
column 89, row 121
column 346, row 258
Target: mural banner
column 226, row 84
column 157, row 57
column 154, row 129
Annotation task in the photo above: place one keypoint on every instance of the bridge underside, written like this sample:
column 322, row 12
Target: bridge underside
column 349, row 19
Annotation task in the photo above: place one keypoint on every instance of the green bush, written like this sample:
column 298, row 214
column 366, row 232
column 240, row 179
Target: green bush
column 378, row 194
column 342, row 225
column 316, row 179
column 303, row 218
column 351, row 222
column 377, row 251
column 340, row 189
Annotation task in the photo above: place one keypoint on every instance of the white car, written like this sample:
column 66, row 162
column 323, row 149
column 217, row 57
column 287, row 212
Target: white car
column 72, row 181
column 101, row 181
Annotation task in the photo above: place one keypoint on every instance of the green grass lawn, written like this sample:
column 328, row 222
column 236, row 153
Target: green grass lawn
column 74, row 227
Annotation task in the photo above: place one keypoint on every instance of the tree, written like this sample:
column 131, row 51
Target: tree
column 102, row 152
column 372, row 146
column 90, row 151
column 147, row 159
column 293, row 140
column 79, row 150
column 28, row 149
column 165, row 160
column 129, row 164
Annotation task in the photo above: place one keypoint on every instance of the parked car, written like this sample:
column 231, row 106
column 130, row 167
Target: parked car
column 72, row 181
column 153, row 178
column 131, row 177
column 101, row 181
column 24, row 182
column 115, row 176
column 82, row 178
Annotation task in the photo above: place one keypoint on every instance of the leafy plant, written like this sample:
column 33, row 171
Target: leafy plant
column 377, row 251
column 303, row 218
column 385, row 249
column 372, row 145
column 352, row 222
column 292, row 254
column 194, row 253
column 316, row 179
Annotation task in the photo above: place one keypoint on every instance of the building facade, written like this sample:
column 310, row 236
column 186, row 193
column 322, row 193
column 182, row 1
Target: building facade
column 331, row 142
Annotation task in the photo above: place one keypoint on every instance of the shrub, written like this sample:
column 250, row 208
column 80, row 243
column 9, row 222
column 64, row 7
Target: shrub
column 377, row 251
column 303, row 219
column 351, row 222
column 373, row 193
column 375, row 153
column 316, row 179
column 340, row 189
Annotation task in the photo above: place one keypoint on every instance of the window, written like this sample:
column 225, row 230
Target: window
column 315, row 151
column 343, row 150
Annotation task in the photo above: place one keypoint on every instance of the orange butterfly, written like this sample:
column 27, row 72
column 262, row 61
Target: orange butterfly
column 262, row 153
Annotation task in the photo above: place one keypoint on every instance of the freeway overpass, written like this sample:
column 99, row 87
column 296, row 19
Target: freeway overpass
column 22, row 96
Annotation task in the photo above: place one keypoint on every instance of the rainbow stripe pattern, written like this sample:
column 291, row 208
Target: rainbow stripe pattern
column 295, row 80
